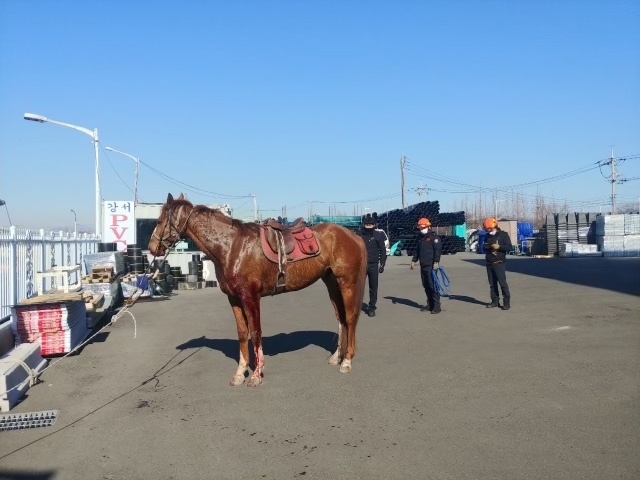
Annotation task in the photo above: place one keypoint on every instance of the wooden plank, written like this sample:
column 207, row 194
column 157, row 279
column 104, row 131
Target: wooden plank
column 53, row 297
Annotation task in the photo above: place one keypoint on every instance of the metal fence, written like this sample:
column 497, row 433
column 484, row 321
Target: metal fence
column 25, row 252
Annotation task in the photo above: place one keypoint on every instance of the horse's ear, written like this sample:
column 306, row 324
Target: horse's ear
column 169, row 199
column 181, row 197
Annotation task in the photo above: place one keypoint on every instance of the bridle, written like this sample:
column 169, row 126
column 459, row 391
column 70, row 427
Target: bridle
column 175, row 233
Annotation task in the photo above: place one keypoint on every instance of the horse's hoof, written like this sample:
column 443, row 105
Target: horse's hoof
column 236, row 380
column 333, row 360
column 345, row 367
column 254, row 381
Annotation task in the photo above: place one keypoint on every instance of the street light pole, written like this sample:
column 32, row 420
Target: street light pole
column 94, row 135
column 2, row 202
column 255, row 207
column 75, row 224
column 135, row 159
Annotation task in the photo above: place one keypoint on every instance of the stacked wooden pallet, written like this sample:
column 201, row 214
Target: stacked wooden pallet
column 92, row 300
column 100, row 275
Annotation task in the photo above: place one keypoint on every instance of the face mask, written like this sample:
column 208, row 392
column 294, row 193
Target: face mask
column 492, row 232
column 424, row 231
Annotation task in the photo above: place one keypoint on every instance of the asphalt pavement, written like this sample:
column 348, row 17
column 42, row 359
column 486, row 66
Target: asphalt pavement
column 547, row 390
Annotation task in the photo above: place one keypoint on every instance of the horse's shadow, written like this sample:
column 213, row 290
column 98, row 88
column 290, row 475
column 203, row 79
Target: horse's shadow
column 404, row 301
column 274, row 345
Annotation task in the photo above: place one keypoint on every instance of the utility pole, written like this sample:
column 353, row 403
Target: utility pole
column 402, row 161
column 420, row 189
column 614, row 179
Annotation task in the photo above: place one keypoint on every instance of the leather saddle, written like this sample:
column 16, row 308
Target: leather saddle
column 283, row 244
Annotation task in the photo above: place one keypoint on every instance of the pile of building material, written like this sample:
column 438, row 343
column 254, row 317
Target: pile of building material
column 618, row 235
column 19, row 370
column 59, row 325
column 574, row 249
column 93, row 261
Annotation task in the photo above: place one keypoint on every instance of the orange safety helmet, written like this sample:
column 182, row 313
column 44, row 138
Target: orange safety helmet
column 424, row 222
column 490, row 223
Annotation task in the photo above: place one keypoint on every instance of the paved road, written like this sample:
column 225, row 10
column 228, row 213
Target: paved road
column 548, row 390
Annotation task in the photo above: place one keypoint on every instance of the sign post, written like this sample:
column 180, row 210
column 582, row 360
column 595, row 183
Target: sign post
column 119, row 223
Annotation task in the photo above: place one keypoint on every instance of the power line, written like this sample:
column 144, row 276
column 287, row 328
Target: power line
column 421, row 172
column 192, row 188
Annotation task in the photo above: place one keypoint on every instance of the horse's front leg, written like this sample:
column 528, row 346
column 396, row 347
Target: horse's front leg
column 243, row 340
column 251, row 306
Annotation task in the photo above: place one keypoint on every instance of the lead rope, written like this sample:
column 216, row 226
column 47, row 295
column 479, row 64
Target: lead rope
column 33, row 378
column 442, row 285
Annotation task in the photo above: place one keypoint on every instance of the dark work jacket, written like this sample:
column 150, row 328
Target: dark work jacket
column 428, row 249
column 374, row 241
column 503, row 240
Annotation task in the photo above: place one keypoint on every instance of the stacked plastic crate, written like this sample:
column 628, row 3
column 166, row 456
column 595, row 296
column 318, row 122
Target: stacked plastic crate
column 610, row 235
column 572, row 228
column 551, row 234
column 631, row 242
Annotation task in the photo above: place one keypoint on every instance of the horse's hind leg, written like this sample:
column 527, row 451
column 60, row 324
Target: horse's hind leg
column 243, row 340
column 352, row 303
column 338, row 305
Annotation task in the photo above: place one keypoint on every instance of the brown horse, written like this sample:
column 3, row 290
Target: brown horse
column 245, row 274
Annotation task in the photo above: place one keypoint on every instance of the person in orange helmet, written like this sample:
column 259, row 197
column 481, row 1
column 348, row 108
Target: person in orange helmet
column 496, row 246
column 428, row 251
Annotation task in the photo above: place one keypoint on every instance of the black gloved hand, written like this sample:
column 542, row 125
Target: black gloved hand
column 381, row 269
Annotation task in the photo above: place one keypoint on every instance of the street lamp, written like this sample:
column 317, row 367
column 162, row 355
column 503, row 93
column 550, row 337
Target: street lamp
column 135, row 159
column 75, row 224
column 94, row 135
column 2, row 202
column 255, row 207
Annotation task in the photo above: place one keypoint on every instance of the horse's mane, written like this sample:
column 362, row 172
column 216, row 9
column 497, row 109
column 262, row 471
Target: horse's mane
column 217, row 213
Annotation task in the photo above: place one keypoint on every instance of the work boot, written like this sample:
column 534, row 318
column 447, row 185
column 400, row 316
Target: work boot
column 436, row 309
column 507, row 304
column 372, row 312
column 493, row 304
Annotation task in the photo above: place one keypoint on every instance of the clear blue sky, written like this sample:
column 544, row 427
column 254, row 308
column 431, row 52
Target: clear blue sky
column 314, row 101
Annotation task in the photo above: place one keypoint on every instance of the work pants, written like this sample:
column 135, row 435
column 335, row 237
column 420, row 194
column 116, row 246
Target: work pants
column 372, row 276
column 433, row 296
column 497, row 275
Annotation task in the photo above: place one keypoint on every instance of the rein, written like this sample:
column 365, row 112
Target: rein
column 168, row 245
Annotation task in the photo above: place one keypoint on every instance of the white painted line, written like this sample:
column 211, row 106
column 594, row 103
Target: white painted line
column 559, row 329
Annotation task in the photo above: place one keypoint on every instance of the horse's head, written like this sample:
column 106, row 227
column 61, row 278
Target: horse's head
column 171, row 226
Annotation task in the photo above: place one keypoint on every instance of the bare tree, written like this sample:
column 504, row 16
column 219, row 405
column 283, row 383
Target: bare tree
column 629, row 207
